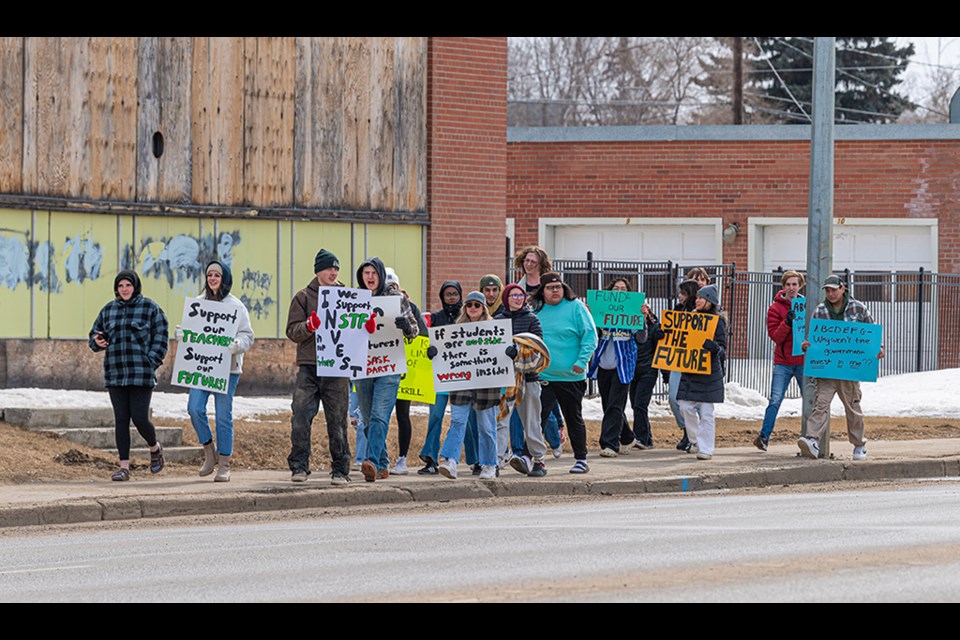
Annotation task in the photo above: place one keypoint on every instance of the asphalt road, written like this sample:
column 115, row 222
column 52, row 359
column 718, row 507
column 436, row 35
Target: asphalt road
column 871, row 545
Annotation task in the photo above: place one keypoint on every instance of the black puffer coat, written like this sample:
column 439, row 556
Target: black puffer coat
column 702, row 387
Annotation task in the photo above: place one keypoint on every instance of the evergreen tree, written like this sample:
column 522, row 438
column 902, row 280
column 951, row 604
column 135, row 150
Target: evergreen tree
column 867, row 70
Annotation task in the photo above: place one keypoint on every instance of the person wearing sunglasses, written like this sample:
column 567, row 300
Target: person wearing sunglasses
column 483, row 402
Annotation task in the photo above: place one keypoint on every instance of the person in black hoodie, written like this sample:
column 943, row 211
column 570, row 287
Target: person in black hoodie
column 644, row 379
column 686, row 301
column 451, row 301
column 527, row 394
column 377, row 396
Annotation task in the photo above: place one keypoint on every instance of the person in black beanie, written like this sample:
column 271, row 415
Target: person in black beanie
column 311, row 389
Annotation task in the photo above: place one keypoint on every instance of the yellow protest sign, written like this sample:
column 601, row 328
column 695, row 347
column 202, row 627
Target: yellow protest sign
column 681, row 348
column 417, row 383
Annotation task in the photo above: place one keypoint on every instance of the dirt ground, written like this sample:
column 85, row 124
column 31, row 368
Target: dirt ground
column 29, row 456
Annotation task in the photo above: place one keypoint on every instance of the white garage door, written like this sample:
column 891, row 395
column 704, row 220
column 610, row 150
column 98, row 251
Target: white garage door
column 855, row 247
column 687, row 244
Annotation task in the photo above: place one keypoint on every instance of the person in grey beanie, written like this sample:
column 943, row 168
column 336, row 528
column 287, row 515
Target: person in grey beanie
column 310, row 389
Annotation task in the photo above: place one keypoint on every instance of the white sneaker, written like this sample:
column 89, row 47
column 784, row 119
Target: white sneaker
column 693, row 448
column 606, row 452
column 558, row 451
column 488, row 472
column 522, row 464
column 355, row 466
column 448, row 468
column 400, row 469
column 809, row 448
column 860, row 453
column 704, row 456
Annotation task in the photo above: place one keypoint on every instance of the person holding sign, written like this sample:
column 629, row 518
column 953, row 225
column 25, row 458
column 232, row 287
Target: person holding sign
column 451, row 301
column 612, row 366
column 483, row 402
column 837, row 305
column 378, row 395
column 571, row 337
column 644, row 379
column 219, row 280
column 311, row 389
column 686, row 301
column 132, row 330
column 705, row 389
column 780, row 317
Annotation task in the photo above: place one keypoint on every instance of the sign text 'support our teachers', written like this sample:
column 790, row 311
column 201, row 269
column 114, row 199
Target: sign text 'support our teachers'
column 842, row 350
column 681, row 348
column 473, row 355
column 203, row 356
column 342, row 338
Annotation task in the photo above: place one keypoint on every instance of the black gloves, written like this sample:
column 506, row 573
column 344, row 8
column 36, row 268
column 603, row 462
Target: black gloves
column 511, row 352
column 402, row 323
column 791, row 315
column 711, row 346
column 431, row 350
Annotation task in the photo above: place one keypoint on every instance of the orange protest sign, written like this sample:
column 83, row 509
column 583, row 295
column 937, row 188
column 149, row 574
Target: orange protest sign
column 681, row 348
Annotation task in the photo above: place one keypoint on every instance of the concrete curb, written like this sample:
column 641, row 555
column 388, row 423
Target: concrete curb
column 324, row 496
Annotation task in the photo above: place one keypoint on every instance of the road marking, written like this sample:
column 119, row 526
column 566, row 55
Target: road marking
column 38, row 569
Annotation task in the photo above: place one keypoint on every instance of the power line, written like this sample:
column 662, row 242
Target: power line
column 784, row 84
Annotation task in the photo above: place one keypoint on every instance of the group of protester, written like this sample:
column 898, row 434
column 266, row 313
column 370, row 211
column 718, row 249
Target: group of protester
column 556, row 348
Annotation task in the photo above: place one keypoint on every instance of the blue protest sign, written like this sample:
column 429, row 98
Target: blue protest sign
column 843, row 350
column 799, row 307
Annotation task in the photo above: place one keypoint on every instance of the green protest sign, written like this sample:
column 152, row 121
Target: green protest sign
column 616, row 309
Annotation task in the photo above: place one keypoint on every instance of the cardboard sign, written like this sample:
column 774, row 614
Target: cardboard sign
column 472, row 355
column 842, row 350
column 386, row 354
column 203, row 356
column 681, row 348
column 341, row 338
column 799, row 306
column 417, row 383
column 616, row 309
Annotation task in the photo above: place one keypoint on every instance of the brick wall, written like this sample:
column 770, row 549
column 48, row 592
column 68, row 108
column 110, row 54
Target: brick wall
column 466, row 161
column 733, row 180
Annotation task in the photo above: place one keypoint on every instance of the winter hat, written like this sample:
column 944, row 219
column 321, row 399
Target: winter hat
column 549, row 278
column 832, row 282
column 324, row 260
column 491, row 280
column 475, row 296
column 710, row 293
column 392, row 277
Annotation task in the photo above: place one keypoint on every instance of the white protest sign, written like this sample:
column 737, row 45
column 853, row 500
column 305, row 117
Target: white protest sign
column 386, row 354
column 203, row 356
column 473, row 355
column 341, row 338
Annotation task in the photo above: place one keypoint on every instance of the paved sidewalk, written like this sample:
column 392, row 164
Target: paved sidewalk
column 639, row 472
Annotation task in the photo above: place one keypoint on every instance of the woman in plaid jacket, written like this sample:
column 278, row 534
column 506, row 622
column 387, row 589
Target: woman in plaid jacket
column 132, row 330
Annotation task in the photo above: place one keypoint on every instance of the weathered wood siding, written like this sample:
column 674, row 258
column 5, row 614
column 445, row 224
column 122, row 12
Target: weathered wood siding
column 306, row 123
column 165, row 94
column 11, row 114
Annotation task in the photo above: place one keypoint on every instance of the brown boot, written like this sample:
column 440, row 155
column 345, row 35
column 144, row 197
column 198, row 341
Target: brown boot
column 223, row 470
column 209, row 459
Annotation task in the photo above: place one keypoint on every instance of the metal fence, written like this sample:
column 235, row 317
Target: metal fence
column 917, row 309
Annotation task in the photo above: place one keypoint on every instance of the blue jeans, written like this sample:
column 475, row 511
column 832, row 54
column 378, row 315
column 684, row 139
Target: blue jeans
column 551, row 429
column 377, row 397
column 471, row 440
column 486, row 432
column 782, row 373
column 223, row 404
column 431, row 443
column 517, row 439
column 354, row 412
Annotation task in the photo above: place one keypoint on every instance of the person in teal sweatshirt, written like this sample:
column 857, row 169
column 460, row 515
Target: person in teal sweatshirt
column 571, row 336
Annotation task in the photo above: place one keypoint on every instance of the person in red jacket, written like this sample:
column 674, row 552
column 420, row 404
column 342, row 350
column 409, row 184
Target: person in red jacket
column 780, row 317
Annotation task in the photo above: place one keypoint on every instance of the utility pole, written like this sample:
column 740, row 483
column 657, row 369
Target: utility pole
column 820, row 204
column 738, row 81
